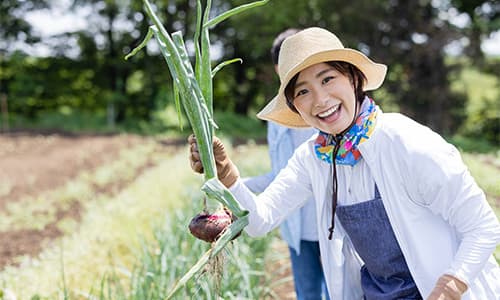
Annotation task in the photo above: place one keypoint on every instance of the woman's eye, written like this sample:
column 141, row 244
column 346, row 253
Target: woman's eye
column 327, row 79
column 300, row 93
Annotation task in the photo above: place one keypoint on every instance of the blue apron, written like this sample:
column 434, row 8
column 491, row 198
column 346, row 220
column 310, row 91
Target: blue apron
column 385, row 274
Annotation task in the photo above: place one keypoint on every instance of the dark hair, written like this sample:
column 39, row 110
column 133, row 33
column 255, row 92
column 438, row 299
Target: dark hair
column 275, row 49
column 355, row 76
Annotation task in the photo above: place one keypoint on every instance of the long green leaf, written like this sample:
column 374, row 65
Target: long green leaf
column 225, row 63
column 173, row 72
column 196, row 40
column 179, row 43
column 206, row 66
column 177, row 103
column 233, row 12
column 206, row 70
column 144, row 42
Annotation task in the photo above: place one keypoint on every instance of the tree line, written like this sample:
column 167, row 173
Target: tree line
column 411, row 37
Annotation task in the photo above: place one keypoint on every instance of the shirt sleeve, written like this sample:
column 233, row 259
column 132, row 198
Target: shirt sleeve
column 446, row 187
column 258, row 184
column 289, row 191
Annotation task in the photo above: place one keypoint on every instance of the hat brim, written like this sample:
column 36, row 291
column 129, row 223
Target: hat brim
column 277, row 109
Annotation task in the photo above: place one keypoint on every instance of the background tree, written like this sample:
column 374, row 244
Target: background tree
column 409, row 36
column 13, row 29
column 484, row 18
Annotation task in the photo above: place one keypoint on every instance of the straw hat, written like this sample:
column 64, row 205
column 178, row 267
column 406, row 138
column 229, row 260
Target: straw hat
column 304, row 49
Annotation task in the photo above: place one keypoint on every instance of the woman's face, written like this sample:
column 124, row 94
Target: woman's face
column 325, row 98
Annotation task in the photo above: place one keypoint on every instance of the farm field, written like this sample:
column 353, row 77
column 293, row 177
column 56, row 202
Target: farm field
column 75, row 209
column 78, row 212
column 32, row 166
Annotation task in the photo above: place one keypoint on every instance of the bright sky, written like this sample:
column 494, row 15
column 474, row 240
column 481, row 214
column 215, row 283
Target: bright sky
column 59, row 20
column 492, row 45
column 55, row 21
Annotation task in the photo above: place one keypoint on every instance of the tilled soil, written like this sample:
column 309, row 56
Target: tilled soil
column 31, row 164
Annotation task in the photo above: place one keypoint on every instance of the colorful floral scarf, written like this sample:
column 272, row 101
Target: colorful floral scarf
column 361, row 130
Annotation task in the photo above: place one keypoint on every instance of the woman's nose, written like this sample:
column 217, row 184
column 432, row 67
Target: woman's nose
column 321, row 97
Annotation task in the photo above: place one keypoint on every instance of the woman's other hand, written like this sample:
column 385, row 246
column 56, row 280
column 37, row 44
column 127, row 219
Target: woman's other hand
column 448, row 288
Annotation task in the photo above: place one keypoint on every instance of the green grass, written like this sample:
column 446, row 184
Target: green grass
column 240, row 126
column 485, row 168
column 164, row 122
column 472, row 144
column 483, row 104
column 63, row 120
column 479, row 88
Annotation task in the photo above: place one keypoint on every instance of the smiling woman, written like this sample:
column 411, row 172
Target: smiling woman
column 372, row 174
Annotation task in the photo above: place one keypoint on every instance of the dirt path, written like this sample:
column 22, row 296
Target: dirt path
column 280, row 272
column 34, row 164
column 31, row 164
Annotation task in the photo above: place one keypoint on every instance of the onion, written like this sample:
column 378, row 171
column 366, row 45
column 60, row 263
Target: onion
column 209, row 226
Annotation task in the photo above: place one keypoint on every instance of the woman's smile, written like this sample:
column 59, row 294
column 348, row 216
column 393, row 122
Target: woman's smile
column 332, row 114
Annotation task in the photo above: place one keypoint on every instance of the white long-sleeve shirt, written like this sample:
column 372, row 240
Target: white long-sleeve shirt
column 282, row 142
column 439, row 215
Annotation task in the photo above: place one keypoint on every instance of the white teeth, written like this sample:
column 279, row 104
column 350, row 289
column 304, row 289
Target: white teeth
column 329, row 112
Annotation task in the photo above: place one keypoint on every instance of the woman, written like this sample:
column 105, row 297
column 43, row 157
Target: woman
column 399, row 216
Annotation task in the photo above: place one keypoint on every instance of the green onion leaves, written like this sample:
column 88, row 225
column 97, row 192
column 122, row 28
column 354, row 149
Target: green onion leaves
column 193, row 92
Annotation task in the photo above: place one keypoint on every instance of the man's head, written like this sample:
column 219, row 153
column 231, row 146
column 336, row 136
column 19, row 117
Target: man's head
column 278, row 40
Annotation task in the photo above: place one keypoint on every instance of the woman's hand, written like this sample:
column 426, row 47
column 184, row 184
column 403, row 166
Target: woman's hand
column 226, row 170
column 448, row 288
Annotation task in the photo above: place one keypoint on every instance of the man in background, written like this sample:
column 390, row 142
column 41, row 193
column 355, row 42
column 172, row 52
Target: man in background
column 299, row 230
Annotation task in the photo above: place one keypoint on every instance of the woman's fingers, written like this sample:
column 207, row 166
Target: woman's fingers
column 194, row 155
column 196, row 163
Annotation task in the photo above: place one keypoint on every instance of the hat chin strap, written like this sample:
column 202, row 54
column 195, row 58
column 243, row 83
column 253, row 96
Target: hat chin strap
column 338, row 138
